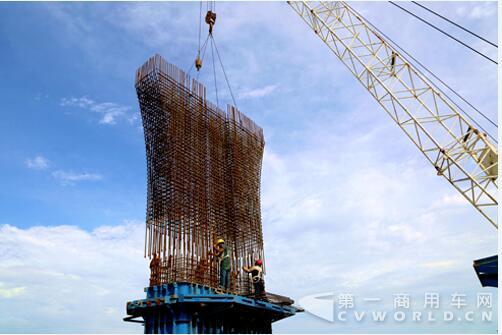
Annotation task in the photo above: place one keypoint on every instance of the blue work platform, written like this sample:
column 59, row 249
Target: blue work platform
column 185, row 308
column 487, row 270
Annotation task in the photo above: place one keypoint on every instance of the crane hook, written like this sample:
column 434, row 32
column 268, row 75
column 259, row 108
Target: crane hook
column 198, row 62
column 210, row 20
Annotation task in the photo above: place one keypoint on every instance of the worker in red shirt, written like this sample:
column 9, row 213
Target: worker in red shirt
column 256, row 272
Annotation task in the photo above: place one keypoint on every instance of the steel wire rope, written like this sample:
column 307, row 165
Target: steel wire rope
column 455, row 24
column 444, row 32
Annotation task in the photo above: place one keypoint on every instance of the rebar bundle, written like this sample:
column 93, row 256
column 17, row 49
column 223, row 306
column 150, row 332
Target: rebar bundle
column 204, row 168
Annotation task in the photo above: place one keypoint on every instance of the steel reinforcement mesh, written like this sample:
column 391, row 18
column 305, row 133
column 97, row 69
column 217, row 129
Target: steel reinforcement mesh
column 204, row 169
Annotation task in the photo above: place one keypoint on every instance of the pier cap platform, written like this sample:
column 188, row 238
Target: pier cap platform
column 186, row 308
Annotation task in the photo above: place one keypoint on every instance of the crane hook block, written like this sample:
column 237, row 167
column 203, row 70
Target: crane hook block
column 210, row 20
column 198, row 63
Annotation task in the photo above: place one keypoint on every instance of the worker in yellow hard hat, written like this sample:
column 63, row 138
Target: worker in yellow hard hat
column 221, row 251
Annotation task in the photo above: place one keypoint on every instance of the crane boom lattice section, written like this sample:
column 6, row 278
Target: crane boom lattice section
column 457, row 150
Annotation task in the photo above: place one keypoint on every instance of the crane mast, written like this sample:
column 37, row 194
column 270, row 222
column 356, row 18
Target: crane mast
column 457, row 150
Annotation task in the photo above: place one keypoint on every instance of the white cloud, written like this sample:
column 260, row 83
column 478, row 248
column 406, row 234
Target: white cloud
column 64, row 278
column 109, row 111
column 257, row 93
column 451, row 200
column 478, row 11
column 38, row 163
column 64, row 177
column 82, row 102
column 40, row 96
column 11, row 292
column 406, row 232
column 442, row 265
column 70, row 178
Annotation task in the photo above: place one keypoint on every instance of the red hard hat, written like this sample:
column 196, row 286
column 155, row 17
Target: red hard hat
column 258, row 262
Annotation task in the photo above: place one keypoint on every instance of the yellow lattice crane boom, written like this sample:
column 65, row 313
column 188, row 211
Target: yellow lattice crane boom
column 458, row 150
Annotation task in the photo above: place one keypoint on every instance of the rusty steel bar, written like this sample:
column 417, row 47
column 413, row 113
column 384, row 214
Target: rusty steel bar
column 204, row 170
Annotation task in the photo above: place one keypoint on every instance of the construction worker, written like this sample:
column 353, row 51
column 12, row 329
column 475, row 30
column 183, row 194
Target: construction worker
column 221, row 251
column 256, row 272
column 155, row 270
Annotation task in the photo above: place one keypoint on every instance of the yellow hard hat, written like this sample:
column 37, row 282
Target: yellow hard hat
column 220, row 241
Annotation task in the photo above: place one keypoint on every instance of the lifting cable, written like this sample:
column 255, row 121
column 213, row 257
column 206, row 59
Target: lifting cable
column 199, row 49
column 200, row 26
column 224, row 72
column 204, row 47
column 203, row 50
column 214, row 73
column 455, row 24
column 444, row 32
column 395, row 45
column 210, row 20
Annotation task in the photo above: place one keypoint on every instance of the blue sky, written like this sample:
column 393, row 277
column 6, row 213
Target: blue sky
column 348, row 203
